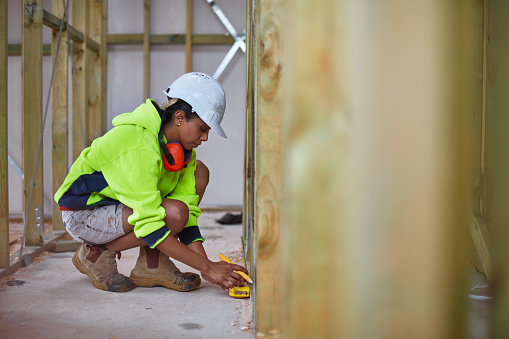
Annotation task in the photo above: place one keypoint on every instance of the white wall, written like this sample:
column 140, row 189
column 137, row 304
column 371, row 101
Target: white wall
column 224, row 157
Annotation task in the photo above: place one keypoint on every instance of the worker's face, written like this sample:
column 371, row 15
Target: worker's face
column 193, row 132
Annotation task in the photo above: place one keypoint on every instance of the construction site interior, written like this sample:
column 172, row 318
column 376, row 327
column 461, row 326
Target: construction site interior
column 364, row 177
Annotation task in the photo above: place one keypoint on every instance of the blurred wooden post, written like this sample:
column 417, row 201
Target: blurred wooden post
column 4, row 140
column 496, row 194
column 189, row 36
column 94, row 31
column 317, row 138
column 32, row 116
column 375, row 155
column 266, row 149
column 60, row 111
column 146, row 49
column 81, row 61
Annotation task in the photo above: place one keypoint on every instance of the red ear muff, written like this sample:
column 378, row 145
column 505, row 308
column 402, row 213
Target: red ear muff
column 175, row 157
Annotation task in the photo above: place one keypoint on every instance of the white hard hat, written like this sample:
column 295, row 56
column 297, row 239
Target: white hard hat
column 204, row 94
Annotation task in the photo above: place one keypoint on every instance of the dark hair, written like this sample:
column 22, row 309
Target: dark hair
column 167, row 112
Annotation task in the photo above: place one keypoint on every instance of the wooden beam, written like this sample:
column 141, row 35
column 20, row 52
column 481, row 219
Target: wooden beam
column 52, row 21
column 146, row 49
column 15, row 49
column 66, row 246
column 497, row 158
column 60, row 110
column 32, row 116
column 167, row 39
column 4, row 140
column 93, row 45
column 189, row 34
column 81, row 61
column 30, row 253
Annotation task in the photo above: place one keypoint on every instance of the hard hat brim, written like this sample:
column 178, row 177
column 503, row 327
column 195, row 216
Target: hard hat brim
column 218, row 130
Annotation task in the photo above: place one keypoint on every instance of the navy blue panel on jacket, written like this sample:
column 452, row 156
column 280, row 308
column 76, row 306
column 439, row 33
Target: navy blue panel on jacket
column 76, row 197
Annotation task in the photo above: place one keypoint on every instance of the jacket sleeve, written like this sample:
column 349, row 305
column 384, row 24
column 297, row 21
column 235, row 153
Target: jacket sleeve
column 133, row 176
column 186, row 191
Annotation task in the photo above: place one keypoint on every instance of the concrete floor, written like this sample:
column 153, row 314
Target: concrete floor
column 54, row 300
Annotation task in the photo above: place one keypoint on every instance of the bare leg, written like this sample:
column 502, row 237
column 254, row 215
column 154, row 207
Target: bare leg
column 177, row 214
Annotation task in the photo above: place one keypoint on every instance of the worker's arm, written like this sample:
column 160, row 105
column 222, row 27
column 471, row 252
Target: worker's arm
column 222, row 273
column 197, row 246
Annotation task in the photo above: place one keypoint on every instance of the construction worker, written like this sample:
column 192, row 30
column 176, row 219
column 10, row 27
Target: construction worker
column 140, row 184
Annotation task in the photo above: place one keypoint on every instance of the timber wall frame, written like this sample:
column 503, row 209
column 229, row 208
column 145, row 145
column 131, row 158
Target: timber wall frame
column 88, row 38
column 88, row 35
column 321, row 267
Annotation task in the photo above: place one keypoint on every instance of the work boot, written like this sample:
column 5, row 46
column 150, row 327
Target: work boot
column 154, row 268
column 99, row 264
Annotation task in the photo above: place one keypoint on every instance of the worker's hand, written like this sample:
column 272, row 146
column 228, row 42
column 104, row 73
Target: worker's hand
column 223, row 275
column 209, row 279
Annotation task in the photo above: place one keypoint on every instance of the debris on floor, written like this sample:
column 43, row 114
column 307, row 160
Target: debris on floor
column 230, row 219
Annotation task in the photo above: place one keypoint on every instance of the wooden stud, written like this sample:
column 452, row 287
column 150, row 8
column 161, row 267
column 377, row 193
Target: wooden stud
column 267, row 145
column 189, row 34
column 146, row 49
column 4, row 140
column 104, row 65
column 249, row 135
column 96, row 119
column 496, row 192
column 60, row 110
column 250, row 169
column 32, row 115
column 81, row 61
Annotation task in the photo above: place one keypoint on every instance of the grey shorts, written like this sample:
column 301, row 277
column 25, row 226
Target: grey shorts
column 98, row 226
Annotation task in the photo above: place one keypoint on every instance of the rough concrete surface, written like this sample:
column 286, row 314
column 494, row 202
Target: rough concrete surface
column 52, row 299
